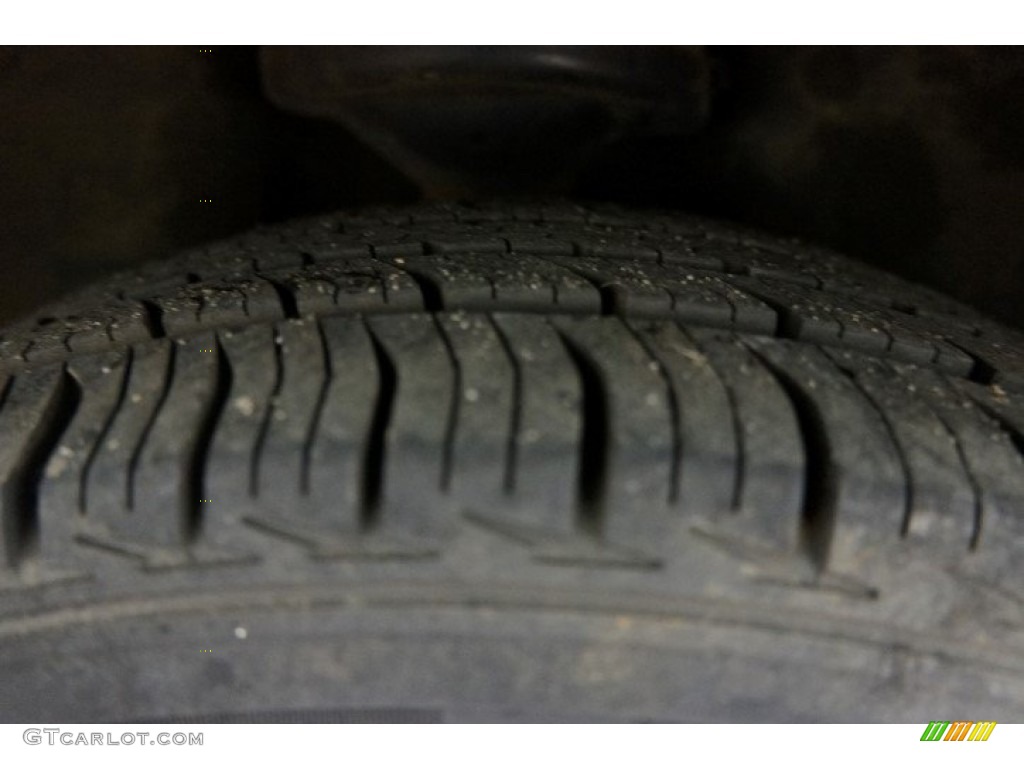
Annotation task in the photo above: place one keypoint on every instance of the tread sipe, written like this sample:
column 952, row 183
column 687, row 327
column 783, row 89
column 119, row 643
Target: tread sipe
column 623, row 465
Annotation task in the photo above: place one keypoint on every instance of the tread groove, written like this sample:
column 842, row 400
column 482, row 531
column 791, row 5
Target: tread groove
column 5, row 389
column 23, row 534
column 430, row 289
column 972, row 480
column 981, row 371
column 516, row 413
column 908, row 475
column 318, row 409
column 448, row 451
column 818, row 515
column 336, row 289
column 83, row 485
column 611, row 302
column 200, row 306
column 376, row 441
column 594, row 440
column 673, row 409
column 788, row 324
column 153, row 317
column 739, row 479
column 1012, row 432
column 137, row 450
column 289, row 304
column 268, row 413
column 244, row 299
column 196, row 476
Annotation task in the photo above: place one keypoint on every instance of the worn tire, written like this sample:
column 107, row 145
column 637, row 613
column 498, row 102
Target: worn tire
column 510, row 463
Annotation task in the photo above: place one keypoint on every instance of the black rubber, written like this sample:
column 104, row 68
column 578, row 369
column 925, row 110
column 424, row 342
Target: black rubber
column 510, row 463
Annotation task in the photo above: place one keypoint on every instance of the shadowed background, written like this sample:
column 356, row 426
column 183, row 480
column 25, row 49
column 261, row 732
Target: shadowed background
column 908, row 158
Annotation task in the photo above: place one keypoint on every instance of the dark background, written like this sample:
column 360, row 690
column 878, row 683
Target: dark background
column 908, row 158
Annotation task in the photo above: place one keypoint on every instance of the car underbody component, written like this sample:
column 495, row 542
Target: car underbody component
column 480, row 120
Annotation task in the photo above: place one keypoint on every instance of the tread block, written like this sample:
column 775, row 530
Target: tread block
column 108, row 483
column 632, row 284
column 460, row 282
column 415, row 437
column 350, row 285
column 1000, row 356
column 323, row 250
column 939, row 492
column 280, row 466
column 708, row 299
column 685, row 257
column 537, row 241
column 96, row 327
column 338, row 459
column 231, row 477
column 808, row 317
column 455, row 242
column 397, row 246
column 102, row 380
column 47, row 345
column 1002, row 482
column 636, row 470
column 607, row 248
column 769, row 497
column 27, row 422
column 545, row 445
column 708, row 462
column 860, row 474
column 530, row 285
column 128, row 323
column 990, row 459
column 167, row 479
column 520, row 284
column 482, row 476
column 192, row 308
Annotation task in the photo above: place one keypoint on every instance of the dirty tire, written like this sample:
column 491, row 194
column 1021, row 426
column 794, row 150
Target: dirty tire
column 496, row 462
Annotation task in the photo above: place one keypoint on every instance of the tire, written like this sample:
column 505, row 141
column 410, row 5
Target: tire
column 509, row 463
